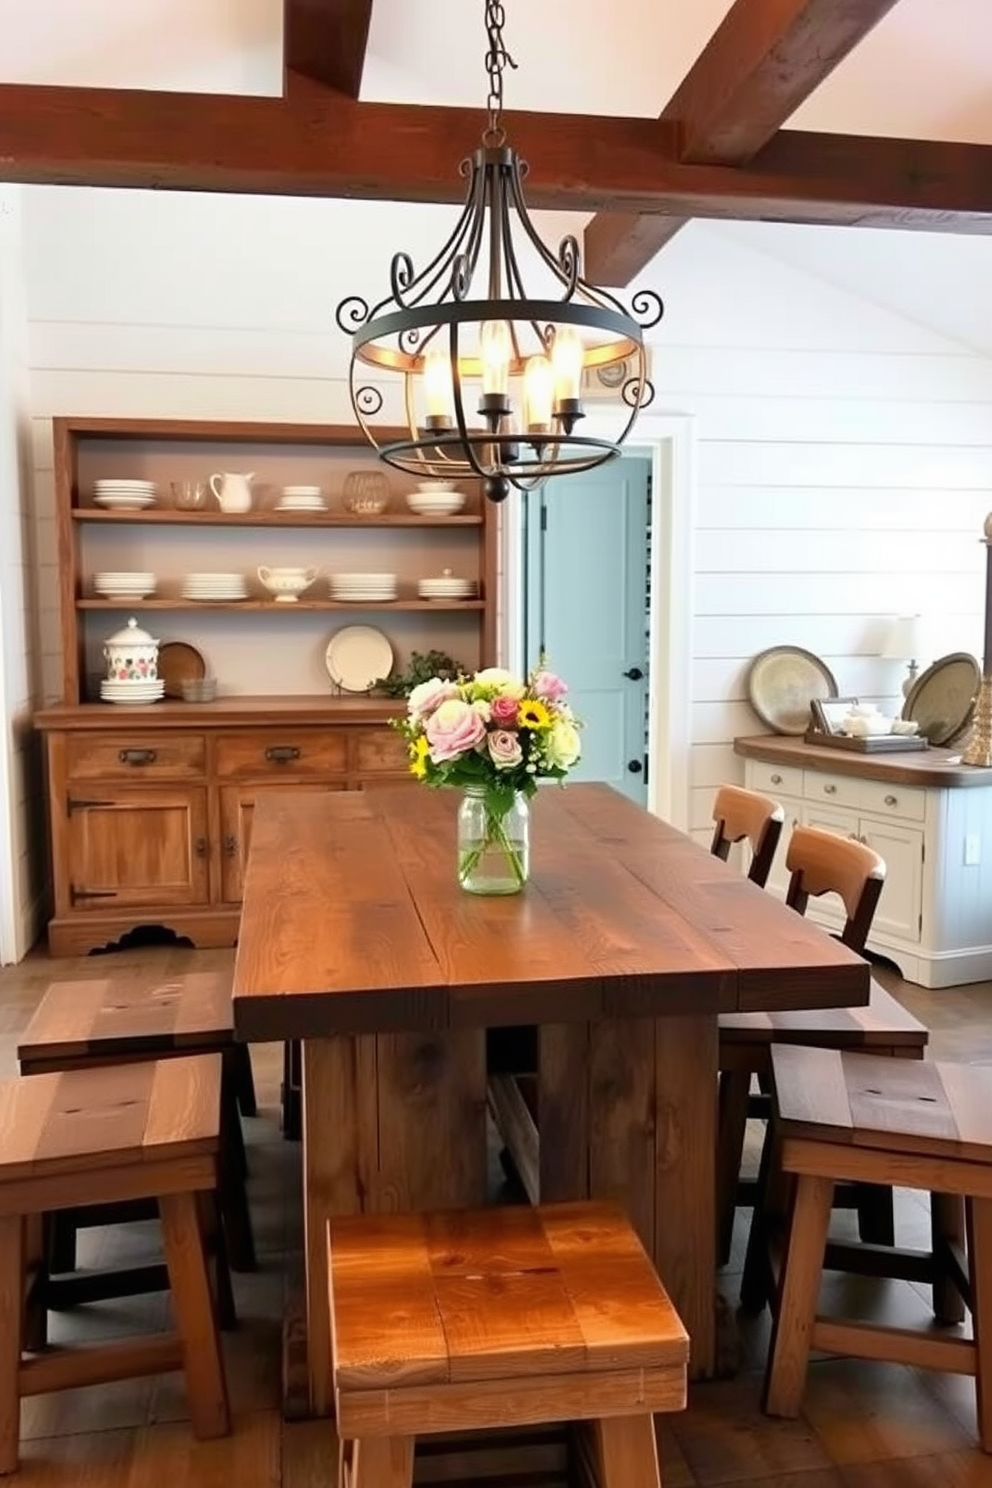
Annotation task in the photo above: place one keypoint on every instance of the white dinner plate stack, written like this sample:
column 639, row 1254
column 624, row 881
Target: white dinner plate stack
column 301, row 499
column 124, row 495
column 360, row 588
column 124, row 585
column 222, row 587
column 143, row 691
column 446, row 587
column 436, row 499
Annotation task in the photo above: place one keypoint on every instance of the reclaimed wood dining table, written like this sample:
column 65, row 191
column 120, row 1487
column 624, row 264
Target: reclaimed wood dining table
column 626, row 943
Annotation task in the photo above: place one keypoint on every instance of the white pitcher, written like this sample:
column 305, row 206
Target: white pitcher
column 233, row 491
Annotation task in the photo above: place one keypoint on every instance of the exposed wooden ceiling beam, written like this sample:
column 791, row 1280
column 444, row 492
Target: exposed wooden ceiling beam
column 320, row 143
column 325, row 40
column 761, row 63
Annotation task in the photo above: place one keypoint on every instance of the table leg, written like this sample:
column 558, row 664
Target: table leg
column 627, row 1110
column 685, row 1167
column 390, row 1122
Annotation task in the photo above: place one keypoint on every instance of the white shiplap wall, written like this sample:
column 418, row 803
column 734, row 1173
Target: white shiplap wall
column 845, row 452
column 21, row 828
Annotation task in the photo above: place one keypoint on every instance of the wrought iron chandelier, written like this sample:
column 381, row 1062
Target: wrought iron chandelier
column 491, row 384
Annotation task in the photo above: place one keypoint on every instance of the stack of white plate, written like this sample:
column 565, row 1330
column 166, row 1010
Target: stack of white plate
column 215, row 586
column 436, row 499
column 143, row 691
column 124, row 495
column 446, row 586
column 124, row 585
column 362, row 588
column 301, row 499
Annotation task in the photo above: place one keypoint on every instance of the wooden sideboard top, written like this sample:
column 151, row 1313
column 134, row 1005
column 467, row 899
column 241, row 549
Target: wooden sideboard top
column 225, row 712
column 928, row 767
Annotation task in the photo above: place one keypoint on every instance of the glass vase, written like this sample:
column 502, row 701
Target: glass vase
column 493, row 842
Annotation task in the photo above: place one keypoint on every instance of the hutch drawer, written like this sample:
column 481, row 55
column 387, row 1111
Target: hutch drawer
column 155, row 755
column 281, row 752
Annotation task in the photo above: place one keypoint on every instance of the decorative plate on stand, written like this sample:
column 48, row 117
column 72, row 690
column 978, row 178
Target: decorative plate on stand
column 781, row 684
column 358, row 656
column 942, row 699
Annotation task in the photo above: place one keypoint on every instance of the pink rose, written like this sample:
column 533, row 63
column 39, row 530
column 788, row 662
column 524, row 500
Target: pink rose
column 427, row 696
column 549, row 687
column 504, row 709
column 504, row 749
column 453, row 729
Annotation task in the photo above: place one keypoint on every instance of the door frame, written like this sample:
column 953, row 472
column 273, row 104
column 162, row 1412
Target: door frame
column 669, row 441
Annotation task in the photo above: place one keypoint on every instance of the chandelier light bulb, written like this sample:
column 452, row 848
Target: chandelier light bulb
column 438, row 394
column 496, row 351
column 566, row 359
column 539, row 394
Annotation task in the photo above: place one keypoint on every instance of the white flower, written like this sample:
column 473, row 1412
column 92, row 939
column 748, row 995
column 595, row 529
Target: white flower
column 499, row 677
column 426, row 696
column 562, row 745
column 483, row 709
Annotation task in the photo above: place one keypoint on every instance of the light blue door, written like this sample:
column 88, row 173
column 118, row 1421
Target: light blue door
column 586, row 606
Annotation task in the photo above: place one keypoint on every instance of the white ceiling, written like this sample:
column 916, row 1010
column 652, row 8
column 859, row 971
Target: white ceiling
column 925, row 71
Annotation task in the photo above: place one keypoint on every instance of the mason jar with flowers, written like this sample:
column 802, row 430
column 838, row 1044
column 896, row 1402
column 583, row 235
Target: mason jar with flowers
column 494, row 736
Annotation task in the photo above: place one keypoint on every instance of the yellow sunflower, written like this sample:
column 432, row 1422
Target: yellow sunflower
column 419, row 751
column 533, row 715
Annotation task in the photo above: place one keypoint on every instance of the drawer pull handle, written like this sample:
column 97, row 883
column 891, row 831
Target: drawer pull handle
column 281, row 754
column 776, row 780
column 200, row 847
column 829, row 790
column 137, row 756
column 230, row 845
column 892, row 800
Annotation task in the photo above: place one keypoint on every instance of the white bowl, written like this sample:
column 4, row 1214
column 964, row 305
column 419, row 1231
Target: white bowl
column 287, row 584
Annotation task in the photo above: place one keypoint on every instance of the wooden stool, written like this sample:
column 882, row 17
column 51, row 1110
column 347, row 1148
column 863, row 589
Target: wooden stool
column 916, row 1124
column 819, row 862
column 495, row 1318
column 109, row 1135
column 127, row 1019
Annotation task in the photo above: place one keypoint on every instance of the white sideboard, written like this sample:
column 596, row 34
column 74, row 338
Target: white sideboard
column 927, row 815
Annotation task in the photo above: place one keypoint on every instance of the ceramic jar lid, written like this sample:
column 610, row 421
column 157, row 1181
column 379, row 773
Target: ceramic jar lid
column 131, row 635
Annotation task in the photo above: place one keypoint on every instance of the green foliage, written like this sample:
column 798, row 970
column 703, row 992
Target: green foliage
column 421, row 668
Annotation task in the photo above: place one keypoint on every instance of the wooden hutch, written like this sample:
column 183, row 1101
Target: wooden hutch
column 150, row 806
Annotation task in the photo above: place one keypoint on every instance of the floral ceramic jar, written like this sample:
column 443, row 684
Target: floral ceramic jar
column 131, row 655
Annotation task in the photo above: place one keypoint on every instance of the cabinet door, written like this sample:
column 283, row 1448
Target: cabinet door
column 901, row 900
column 237, row 808
column 146, row 847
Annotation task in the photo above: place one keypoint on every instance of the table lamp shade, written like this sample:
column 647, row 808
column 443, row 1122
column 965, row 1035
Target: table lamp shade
column 904, row 640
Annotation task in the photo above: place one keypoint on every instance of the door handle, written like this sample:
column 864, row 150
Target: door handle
column 634, row 766
column 230, row 846
column 635, row 674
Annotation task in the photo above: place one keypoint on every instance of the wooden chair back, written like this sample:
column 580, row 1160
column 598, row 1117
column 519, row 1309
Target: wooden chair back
column 822, row 863
column 741, row 814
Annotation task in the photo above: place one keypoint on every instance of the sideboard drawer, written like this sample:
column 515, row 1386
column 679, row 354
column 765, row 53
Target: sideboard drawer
column 775, row 780
column 281, row 752
column 834, row 790
column 157, row 755
column 378, row 751
column 905, row 801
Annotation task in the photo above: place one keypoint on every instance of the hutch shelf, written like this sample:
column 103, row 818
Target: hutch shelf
column 150, row 807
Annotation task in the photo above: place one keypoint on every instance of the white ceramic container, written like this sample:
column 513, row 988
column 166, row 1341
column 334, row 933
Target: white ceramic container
column 131, row 654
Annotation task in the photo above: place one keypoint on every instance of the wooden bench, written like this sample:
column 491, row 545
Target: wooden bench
column 856, row 1117
column 110, row 1136
column 500, row 1317
column 134, row 1017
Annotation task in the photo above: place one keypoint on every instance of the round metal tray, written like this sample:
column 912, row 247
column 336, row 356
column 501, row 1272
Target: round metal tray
column 942, row 699
column 781, row 684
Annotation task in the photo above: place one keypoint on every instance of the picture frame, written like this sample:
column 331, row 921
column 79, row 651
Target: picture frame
column 829, row 713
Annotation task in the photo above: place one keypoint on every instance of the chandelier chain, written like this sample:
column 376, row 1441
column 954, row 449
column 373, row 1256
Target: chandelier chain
column 497, row 60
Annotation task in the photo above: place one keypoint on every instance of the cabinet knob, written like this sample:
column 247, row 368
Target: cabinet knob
column 829, row 790
column 281, row 754
column 891, row 800
column 200, row 847
column 230, row 846
column 776, row 779
column 137, row 756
